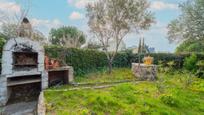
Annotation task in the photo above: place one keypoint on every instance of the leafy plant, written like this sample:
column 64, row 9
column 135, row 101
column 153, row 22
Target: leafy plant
column 190, row 63
column 67, row 36
column 171, row 65
column 169, row 100
column 188, row 80
column 84, row 60
column 200, row 71
column 191, row 45
column 160, row 84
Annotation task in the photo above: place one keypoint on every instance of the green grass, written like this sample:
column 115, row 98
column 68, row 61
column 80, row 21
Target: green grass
column 102, row 76
column 176, row 94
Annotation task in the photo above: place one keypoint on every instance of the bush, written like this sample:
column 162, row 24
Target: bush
column 191, row 45
column 190, row 63
column 164, row 58
column 200, row 71
column 2, row 42
column 85, row 61
column 169, row 100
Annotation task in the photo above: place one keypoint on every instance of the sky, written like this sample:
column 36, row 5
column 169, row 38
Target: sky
column 47, row 14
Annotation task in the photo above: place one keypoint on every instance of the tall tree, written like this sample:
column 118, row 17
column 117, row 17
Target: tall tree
column 9, row 30
column 190, row 24
column 114, row 19
column 12, row 31
column 191, row 45
column 67, row 36
column 93, row 44
column 140, row 46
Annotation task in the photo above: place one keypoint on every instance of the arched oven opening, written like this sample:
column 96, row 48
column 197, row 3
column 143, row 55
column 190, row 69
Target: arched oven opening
column 25, row 60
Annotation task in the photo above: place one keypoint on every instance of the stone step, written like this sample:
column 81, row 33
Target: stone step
column 23, row 81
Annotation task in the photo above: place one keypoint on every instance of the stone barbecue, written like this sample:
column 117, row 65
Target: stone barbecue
column 22, row 66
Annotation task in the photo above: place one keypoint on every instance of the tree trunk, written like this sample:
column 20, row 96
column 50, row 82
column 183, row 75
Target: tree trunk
column 110, row 66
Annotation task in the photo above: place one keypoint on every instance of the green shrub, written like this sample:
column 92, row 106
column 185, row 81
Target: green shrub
column 190, row 63
column 191, row 45
column 160, row 85
column 86, row 61
column 83, row 61
column 169, row 100
column 2, row 42
column 200, row 71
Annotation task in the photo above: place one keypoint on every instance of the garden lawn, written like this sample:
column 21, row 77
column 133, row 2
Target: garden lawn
column 177, row 94
column 118, row 74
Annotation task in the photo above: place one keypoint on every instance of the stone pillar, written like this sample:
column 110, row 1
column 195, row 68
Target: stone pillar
column 44, row 80
column 7, row 61
column 144, row 72
column 71, row 74
column 3, row 90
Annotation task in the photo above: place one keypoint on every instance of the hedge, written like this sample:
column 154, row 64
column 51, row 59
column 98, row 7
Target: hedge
column 85, row 61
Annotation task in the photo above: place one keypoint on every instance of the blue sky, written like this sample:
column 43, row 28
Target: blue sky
column 46, row 14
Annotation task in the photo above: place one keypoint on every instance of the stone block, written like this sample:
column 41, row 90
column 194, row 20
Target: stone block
column 71, row 74
column 41, row 67
column 7, row 57
column 3, row 80
column 41, row 57
column 7, row 69
column 144, row 72
column 44, row 82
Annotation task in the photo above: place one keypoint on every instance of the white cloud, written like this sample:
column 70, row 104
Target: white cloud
column 75, row 16
column 80, row 3
column 9, row 7
column 159, row 5
column 156, row 5
column 45, row 25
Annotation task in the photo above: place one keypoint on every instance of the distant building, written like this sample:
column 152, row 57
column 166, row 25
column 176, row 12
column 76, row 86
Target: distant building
column 151, row 50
